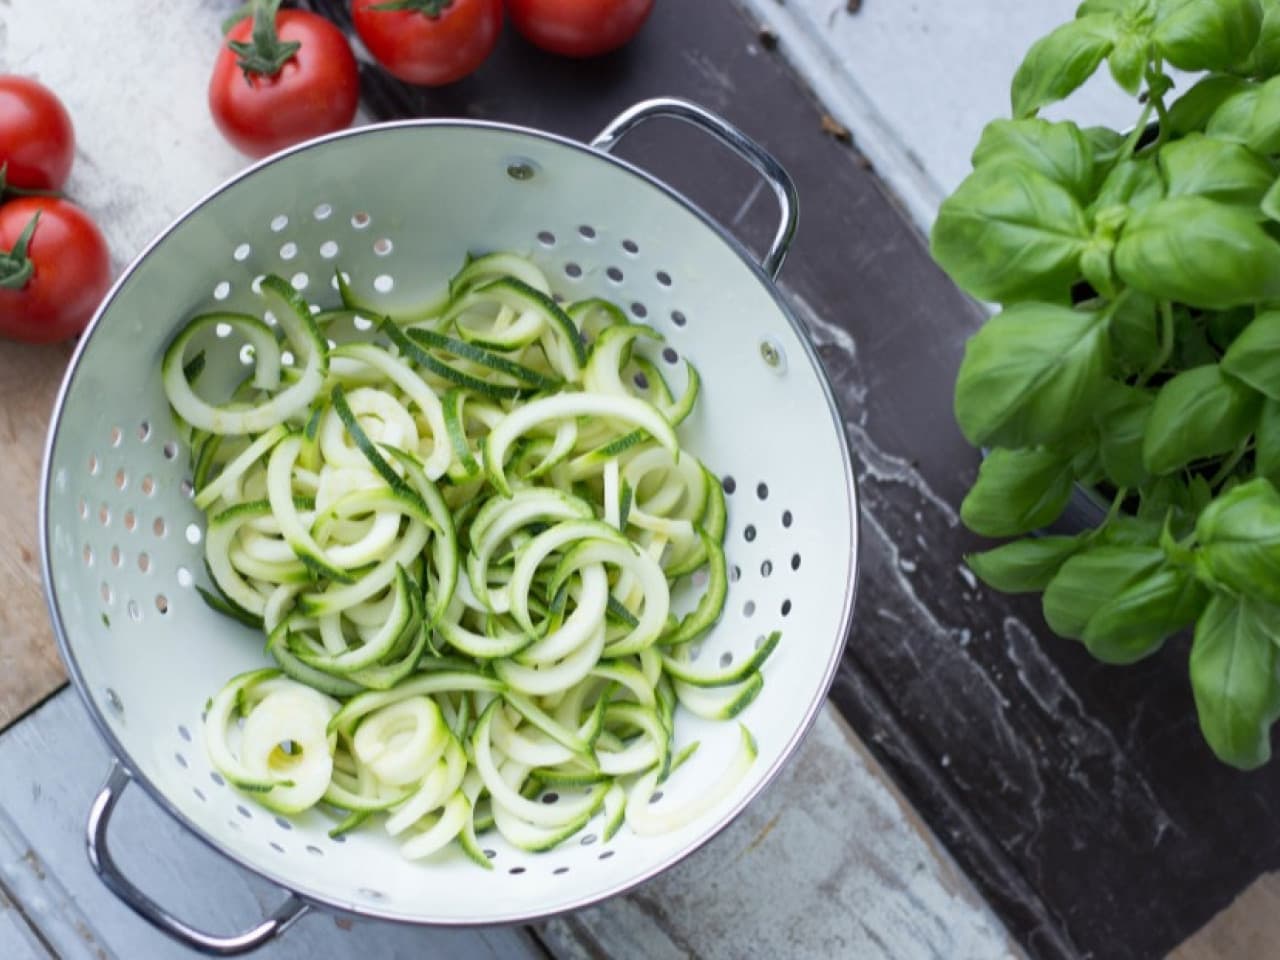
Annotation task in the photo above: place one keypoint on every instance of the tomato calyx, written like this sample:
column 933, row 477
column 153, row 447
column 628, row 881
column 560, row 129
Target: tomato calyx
column 16, row 266
column 265, row 54
column 429, row 8
column 7, row 191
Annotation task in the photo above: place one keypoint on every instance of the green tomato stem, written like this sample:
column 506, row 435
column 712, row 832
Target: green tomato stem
column 1166, row 344
column 16, row 267
column 7, row 191
column 265, row 55
column 243, row 12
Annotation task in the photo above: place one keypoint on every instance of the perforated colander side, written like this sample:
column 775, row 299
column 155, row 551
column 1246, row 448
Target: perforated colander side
column 124, row 541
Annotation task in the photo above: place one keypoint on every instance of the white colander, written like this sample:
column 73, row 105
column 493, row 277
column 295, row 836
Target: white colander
column 121, row 539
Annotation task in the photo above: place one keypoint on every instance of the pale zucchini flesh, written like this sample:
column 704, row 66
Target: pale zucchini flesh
column 460, row 534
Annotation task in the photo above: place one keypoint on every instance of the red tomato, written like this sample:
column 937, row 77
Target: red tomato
column 579, row 28
column 71, row 270
column 431, row 42
column 315, row 92
column 36, row 139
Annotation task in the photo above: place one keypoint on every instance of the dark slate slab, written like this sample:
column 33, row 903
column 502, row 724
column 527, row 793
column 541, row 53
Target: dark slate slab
column 1079, row 798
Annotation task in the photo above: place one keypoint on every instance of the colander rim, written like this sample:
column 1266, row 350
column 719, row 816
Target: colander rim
column 124, row 758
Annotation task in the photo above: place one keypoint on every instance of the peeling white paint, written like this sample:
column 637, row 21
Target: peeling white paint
column 830, row 860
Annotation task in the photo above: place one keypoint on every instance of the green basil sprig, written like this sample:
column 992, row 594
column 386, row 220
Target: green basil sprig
column 1136, row 346
column 1233, row 677
column 1028, row 375
column 1011, row 233
column 1197, row 414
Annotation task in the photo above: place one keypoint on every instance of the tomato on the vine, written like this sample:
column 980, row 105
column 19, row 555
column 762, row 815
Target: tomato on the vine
column 54, row 269
column 282, row 77
column 430, row 42
column 579, row 28
column 37, row 142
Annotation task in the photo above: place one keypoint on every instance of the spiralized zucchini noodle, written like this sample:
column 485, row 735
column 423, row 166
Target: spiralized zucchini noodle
column 459, row 530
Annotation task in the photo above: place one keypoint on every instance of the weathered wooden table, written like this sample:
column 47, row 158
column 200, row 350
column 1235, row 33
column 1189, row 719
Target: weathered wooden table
column 1074, row 801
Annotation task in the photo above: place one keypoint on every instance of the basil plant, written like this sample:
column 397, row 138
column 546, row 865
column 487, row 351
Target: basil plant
column 1136, row 351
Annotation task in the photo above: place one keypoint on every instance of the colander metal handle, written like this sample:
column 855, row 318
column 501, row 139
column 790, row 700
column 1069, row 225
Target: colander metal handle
column 733, row 138
column 105, row 866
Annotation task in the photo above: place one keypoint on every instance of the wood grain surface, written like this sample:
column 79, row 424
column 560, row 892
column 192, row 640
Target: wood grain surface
column 1249, row 928
column 43, row 867
column 18, row 939
column 830, row 862
column 29, row 665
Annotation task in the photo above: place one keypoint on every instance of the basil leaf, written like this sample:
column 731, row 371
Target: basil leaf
column 1122, row 423
column 1024, row 566
column 1218, row 169
column 1225, row 326
column 1128, row 60
column 1158, row 498
column 1239, row 538
column 1086, row 462
column 1132, row 183
column 1233, row 679
column 1129, row 531
column 1267, row 437
column 1090, row 579
column 1168, row 499
column 1197, row 414
column 1254, row 357
column 1135, row 332
column 1201, row 494
column 1115, row 7
column 1030, row 374
column 1135, row 622
column 1191, row 346
column 1264, row 58
column 1191, row 111
column 1095, row 264
column 1060, row 62
column 1010, row 233
column 1105, row 145
column 1017, row 491
column 1058, row 150
column 1199, row 252
column 1250, row 116
column 1207, row 34
column 1270, row 204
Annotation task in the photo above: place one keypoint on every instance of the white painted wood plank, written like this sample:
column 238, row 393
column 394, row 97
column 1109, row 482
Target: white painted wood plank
column 916, row 82
column 61, row 762
column 830, row 862
column 17, row 940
